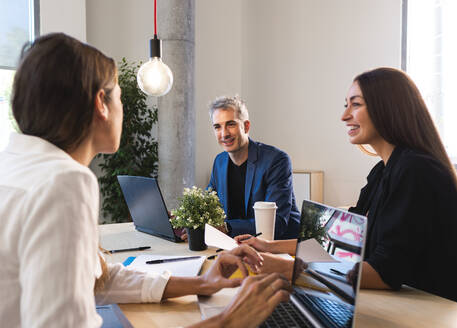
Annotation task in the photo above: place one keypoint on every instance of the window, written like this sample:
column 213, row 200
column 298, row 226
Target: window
column 18, row 24
column 429, row 57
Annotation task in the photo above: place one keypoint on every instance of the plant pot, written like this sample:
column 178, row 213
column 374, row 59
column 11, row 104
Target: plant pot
column 196, row 239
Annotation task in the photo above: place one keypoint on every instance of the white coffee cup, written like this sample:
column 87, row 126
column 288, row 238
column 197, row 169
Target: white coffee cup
column 265, row 218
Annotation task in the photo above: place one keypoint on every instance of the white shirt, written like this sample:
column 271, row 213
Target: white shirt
column 49, row 242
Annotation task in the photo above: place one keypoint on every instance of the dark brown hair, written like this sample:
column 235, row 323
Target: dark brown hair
column 55, row 87
column 399, row 113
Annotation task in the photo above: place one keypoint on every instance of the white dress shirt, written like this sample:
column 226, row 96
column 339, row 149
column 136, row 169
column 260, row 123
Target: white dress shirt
column 49, row 242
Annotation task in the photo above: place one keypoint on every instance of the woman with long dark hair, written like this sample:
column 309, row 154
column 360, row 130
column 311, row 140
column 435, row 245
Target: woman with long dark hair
column 411, row 195
column 66, row 102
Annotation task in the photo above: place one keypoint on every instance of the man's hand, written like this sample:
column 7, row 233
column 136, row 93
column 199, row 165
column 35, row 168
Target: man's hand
column 183, row 235
column 180, row 232
column 222, row 229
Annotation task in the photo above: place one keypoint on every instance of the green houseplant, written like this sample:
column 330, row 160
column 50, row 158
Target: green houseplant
column 196, row 208
column 311, row 226
column 138, row 151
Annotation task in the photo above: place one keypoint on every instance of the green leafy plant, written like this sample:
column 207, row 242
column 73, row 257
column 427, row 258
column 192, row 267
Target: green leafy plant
column 138, row 151
column 197, row 207
column 311, row 226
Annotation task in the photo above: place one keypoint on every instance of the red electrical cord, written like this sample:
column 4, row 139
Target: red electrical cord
column 155, row 17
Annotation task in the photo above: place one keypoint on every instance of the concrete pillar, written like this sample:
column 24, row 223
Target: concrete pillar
column 176, row 124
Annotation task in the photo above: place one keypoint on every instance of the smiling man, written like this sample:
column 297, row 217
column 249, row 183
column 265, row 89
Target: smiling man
column 249, row 171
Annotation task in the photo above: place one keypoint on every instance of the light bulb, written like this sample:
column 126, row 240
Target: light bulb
column 155, row 77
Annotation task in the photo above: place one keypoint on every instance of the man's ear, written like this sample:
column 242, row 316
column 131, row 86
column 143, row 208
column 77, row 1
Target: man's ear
column 247, row 126
column 100, row 108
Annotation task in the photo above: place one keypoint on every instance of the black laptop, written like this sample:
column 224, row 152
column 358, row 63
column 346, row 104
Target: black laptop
column 147, row 207
column 321, row 295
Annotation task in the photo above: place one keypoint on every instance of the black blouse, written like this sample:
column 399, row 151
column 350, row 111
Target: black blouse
column 411, row 205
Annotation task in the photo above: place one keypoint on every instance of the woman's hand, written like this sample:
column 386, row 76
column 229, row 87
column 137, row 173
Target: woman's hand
column 259, row 244
column 255, row 301
column 217, row 277
column 274, row 263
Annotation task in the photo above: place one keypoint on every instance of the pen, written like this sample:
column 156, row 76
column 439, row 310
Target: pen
column 335, row 271
column 176, row 259
column 256, row 235
column 142, row 248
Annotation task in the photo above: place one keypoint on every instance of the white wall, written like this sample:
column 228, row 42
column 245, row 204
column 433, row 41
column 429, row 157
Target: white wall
column 218, row 71
column 63, row 16
column 121, row 28
column 298, row 59
column 292, row 61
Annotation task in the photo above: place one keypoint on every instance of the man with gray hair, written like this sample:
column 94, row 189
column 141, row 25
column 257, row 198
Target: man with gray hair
column 249, row 171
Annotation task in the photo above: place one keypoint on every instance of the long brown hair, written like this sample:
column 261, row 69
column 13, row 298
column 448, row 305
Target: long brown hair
column 55, row 87
column 54, row 93
column 399, row 113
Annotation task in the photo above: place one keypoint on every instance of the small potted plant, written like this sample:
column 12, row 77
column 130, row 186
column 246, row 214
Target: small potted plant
column 196, row 208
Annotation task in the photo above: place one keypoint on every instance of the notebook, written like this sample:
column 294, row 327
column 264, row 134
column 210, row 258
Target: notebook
column 330, row 307
column 188, row 268
column 146, row 206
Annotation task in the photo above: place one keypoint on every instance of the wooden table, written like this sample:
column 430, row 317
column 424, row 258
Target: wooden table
column 180, row 311
column 406, row 308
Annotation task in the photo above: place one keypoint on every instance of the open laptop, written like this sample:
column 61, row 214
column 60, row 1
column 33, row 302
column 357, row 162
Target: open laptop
column 147, row 207
column 321, row 295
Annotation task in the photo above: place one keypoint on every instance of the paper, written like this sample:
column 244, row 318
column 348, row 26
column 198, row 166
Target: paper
column 311, row 251
column 216, row 238
column 188, row 268
column 285, row 256
column 216, row 303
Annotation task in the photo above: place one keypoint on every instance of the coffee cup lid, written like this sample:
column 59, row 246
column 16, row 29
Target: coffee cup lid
column 264, row 205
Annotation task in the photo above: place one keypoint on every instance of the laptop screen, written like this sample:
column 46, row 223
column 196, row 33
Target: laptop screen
column 322, row 289
column 146, row 206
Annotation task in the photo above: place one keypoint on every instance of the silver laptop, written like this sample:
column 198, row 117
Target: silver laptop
column 322, row 295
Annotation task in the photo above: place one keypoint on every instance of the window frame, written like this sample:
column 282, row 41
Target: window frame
column 404, row 54
column 34, row 26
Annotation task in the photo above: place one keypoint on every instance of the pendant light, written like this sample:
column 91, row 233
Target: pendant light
column 155, row 77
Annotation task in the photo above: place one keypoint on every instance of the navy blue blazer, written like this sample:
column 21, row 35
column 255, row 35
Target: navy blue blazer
column 268, row 178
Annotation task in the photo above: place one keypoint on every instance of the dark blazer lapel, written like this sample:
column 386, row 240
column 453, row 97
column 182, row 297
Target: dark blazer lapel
column 224, row 177
column 250, row 171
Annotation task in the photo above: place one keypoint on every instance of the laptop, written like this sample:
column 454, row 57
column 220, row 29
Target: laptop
column 147, row 207
column 321, row 297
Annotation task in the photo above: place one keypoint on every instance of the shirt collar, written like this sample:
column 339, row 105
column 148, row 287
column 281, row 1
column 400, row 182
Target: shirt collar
column 393, row 159
column 21, row 143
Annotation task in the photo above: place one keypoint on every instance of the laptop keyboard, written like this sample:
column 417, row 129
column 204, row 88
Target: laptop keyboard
column 286, row 314
column 333, row 314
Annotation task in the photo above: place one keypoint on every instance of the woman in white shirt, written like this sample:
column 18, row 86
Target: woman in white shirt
column 66, row 101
